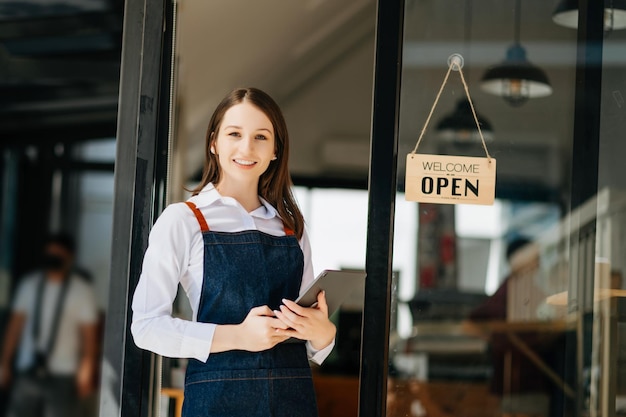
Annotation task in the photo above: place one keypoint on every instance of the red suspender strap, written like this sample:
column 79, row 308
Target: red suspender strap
column 203, row 226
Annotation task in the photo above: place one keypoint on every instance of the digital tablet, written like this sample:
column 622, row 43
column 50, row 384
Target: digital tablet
column 338, row 286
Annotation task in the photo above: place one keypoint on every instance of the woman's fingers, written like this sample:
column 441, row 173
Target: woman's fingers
column 291, row 319
column 261, row 311
column 261, row 329
column 277, row 323
column 320, row 305
column 296, row 316
column 271, row 321
column 321, row 302
column 298, row 309
column 289, row 333
column 304, row 323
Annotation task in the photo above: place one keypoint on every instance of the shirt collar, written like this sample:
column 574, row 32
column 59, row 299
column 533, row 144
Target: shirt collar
column 209, row 196
column 266, row 211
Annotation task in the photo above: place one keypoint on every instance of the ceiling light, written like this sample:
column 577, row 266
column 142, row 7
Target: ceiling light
column 460, row 126
column 566, row 14
column 516, row 79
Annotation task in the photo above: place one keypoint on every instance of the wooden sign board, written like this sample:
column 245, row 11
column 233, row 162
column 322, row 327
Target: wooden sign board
column 447, row 179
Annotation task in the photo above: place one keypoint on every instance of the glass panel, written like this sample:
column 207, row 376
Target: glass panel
column 95, row 214
column 79, row 206
column 96, row 150
column 608, row 361
column 489, row 329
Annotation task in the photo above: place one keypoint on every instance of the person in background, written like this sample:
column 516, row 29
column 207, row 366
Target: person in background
column 495, row 307
column 49, row 351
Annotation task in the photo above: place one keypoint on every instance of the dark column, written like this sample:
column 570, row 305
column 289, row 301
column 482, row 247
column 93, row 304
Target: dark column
column 587, row 102
column 585, row 156
column 142, row 131
column 382, row 195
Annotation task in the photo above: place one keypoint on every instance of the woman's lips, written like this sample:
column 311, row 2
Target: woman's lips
column 244, row 163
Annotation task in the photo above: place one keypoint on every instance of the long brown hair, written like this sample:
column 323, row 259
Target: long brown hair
column 275, row 183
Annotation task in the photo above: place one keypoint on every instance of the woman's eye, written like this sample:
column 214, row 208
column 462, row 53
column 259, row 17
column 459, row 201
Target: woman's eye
column 261, row 137
column 234, row 134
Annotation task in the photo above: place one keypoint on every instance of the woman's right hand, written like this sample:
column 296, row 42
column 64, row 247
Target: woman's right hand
column 256, row 333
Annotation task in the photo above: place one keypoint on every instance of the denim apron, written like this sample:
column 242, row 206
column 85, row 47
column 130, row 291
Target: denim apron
column 244, row 270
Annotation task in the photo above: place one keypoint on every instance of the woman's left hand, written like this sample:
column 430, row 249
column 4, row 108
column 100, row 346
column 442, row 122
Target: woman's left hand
column 310, row 323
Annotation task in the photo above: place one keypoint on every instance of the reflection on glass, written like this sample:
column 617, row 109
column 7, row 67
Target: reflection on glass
column 51, row 344
column 479, row 316
column 484, row 335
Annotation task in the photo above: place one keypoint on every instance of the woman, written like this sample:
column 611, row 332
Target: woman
column 239, row 250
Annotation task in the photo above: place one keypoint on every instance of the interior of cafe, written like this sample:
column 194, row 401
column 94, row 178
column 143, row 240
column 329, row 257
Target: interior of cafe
column 513, row 308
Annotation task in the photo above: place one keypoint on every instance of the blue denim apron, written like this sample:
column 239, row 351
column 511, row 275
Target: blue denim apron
column 244, row 270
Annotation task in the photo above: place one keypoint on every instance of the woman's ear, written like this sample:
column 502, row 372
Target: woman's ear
column 212, row 143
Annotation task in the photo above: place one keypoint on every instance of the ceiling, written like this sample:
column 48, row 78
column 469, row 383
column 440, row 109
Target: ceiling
column 290, row 49
column 59, row 72
column 59, row 69
column 316, row 58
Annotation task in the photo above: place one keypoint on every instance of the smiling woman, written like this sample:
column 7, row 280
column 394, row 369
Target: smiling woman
column 239, row 249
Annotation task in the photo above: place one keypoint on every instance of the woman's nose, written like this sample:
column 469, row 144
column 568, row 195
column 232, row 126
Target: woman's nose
column 247, row 143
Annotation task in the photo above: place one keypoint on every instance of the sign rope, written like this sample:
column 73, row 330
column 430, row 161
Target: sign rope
column 455, row 63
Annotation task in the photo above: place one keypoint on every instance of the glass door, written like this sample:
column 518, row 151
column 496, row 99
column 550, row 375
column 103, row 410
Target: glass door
column 486, row 322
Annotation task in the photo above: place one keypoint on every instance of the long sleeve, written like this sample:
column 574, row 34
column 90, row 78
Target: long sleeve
column 317, row 356
column 175, row 255
column 165, row 261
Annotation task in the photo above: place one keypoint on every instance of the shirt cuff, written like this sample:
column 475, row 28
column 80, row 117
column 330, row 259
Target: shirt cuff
column 318, row 356
column 198, row 339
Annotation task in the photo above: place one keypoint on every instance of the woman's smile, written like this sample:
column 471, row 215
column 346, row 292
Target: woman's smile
column 244, row 162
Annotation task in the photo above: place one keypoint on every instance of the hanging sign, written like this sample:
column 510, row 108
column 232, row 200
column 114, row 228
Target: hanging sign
column 450, row 179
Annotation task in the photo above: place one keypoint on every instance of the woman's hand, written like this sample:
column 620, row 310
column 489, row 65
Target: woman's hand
column 310, row 324
column 259, row 331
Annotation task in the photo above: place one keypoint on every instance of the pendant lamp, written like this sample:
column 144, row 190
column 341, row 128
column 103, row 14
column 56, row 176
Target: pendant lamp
column 566, row 14
column 460, row 126
column 516, row 79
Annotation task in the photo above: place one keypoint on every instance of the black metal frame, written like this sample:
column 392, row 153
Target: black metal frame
column 585, row 165
column 382, row 197
column 127, row 372
column 587, row 101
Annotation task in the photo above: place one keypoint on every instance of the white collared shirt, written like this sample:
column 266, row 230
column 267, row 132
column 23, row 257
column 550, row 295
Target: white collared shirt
column 175, row 255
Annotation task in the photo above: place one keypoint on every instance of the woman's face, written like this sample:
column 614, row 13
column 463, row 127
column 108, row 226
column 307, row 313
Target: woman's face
column 245, row 143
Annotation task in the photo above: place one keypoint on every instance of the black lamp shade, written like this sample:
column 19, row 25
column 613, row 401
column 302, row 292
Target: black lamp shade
column 516, row 79
column 459, row 126
column 566, row 14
